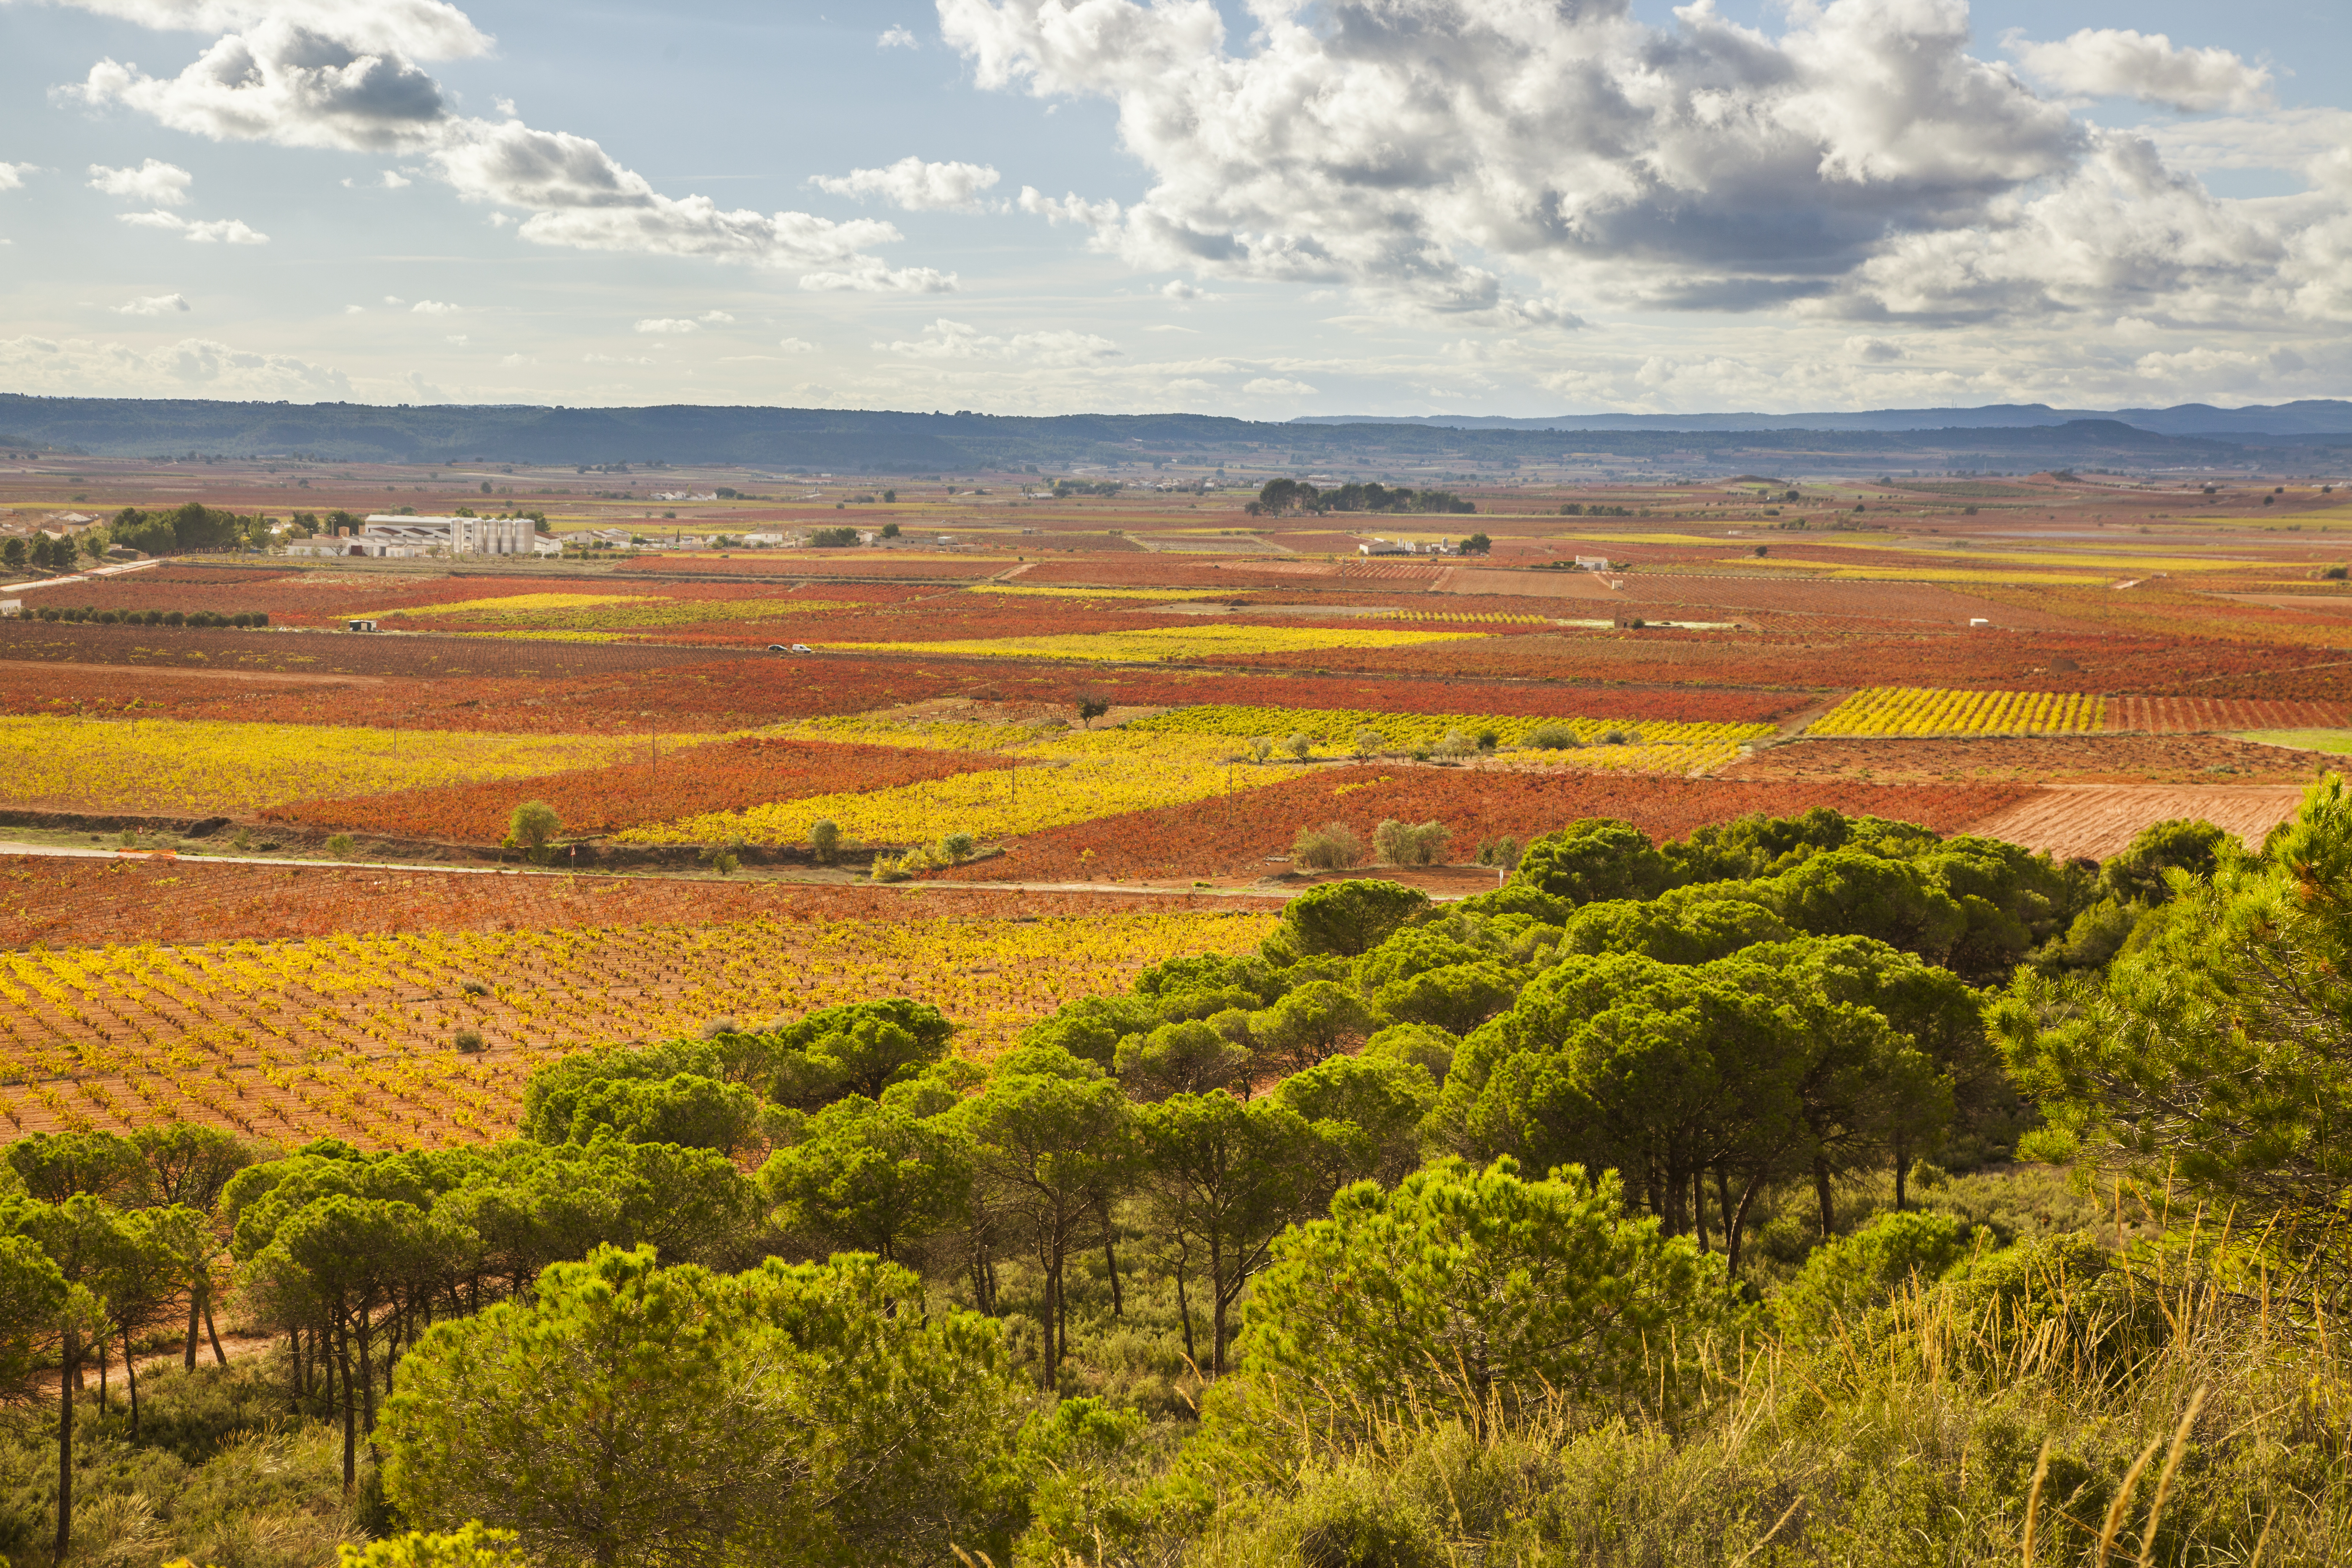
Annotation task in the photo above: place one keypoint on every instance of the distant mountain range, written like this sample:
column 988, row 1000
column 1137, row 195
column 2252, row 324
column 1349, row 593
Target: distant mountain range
column 2312, row 416
column 2299, row 438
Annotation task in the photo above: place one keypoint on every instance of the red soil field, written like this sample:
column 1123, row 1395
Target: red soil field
column 742, row 693
column 77, row 902
column 2190, row 715
column 724, row 776
column 2096, row 821
column 1218, row 839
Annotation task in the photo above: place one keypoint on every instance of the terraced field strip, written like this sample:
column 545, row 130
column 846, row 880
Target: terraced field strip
column 2194, row 715
column 2096, row 821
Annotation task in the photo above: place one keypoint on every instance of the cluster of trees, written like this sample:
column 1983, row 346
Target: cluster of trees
column 58, row 553
column 1280, row 496
column 192, row 527
column 698, row 1304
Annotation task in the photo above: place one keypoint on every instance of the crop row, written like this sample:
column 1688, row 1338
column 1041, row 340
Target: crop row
column 354, row 1035
column 1174, row 642
column 1336, row 729
column 1214, row 839
column 1913, row 710
column 721, row 777
column 1071, row 778
column 207, row 765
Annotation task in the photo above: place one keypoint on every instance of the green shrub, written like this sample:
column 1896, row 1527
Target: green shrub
column 1333, row 847
column 825, row 841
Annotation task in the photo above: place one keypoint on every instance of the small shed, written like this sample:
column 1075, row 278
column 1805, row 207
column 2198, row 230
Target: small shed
column 359, row 626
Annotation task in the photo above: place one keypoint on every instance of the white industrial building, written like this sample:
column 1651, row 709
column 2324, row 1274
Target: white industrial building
column 394, row 534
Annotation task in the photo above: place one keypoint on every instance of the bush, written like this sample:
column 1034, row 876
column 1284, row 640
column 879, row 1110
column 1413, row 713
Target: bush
column 1333, row 847
column 338, row 844
column 1847, row 1278
column 1299, row 746
column 1551, row 737
column 957, row 847
column 469, row 1041
column 1408, row 844
column 1501, row 850
column 1455, row 745
column 825, row 841
column 833, row 538
column 531, row 827
column 1369, row 742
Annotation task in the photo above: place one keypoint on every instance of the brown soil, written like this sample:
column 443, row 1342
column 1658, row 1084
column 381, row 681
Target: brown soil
column 2096, row 821
column 2081, row 759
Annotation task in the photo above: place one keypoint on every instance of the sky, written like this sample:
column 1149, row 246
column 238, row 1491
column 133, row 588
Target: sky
column 1263, row 208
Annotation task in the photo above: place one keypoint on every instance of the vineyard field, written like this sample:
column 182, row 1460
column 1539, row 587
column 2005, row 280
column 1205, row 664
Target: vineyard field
column 1911, row 711
column 351, row 1036
column 1208, row 840
column 200, row 765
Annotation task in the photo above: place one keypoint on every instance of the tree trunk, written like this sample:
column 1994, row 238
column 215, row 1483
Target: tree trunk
column 1899, row 1173
column 71, row 1363
column 1050, row 1363
column 1185, row 1310
column 1699, row 1206
column 220, row 1356
column 1821, row 1192
column 103, row 1359
column 1111, row 1262
column 131, row 1375
column 367, row 1379
column 195, row 1308
column 342, row 1363
column 1217, row 1294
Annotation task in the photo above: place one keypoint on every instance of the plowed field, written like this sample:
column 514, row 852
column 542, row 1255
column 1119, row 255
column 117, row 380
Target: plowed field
column 2096, row 821
column 2190, row 715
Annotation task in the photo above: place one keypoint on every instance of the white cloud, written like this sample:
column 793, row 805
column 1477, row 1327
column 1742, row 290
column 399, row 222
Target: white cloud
column 915, row 185
column 1874, row 350
column 666, row 324
column 1167, row 326
column 796, row 346
column 1071, row 209
column 12, row 176
column 423, row 29
column 152, row 305
column 319, row 73
column 460, row 339
column 716, row 319
column 84, row 367
column 206, row 231
column 355, row 309
column 1184, row 293
column 897, row 37
column 609, row 359
column 394, row 180
column 154, row 181
column 2117, row 62
column 1429, row 154
column 394, row 299
column 1273, row 386
column 946, row 340
column 429, row 307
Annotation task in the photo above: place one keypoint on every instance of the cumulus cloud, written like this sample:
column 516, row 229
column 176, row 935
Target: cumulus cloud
column 897, row 37
column 1431, row 154
column 429, row 307
column 154, row 181
column 666, row 324
column 1185, row 293
column 946, row 340
column 152, row 305
column 915, row 185
column 206, row 231
column 323, row 74
column 394, row 179
column 83, row 367
column 1874, row 350
column 2117, row 62
column 797, row 346
column 716, row 319
column 12, row 176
